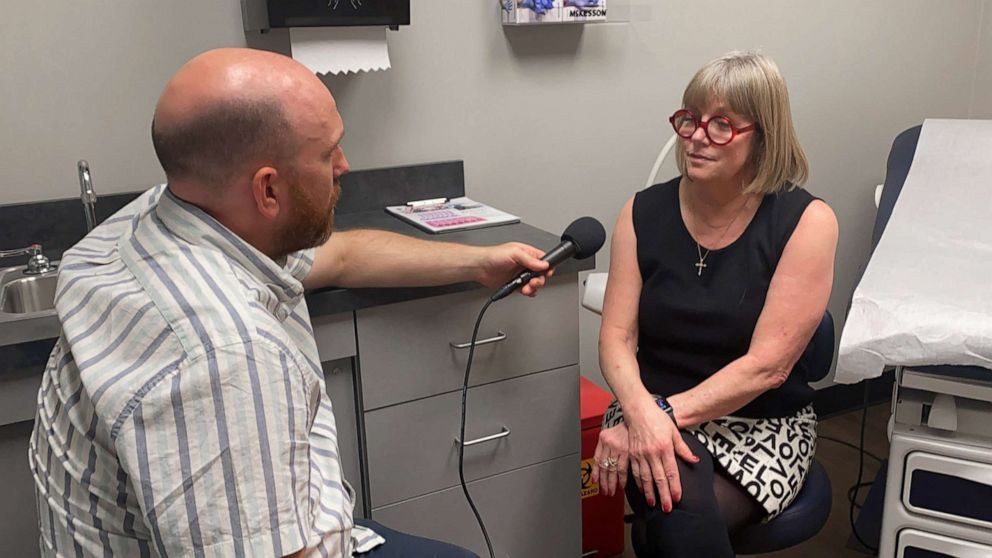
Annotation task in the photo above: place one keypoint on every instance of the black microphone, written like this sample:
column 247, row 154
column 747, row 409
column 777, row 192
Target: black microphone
column 583, row 238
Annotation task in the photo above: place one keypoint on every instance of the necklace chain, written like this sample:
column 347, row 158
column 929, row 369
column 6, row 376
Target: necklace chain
column 701, row 264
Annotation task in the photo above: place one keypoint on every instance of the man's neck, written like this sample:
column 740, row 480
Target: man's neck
column 231, row 216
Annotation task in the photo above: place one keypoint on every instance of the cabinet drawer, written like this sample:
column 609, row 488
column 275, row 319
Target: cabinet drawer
column 406, row 349
column 532, row 512
column 919, row 544
column 19, row 396
column 412, row 448
column 335, row 335
column 21, row 369
column 948, row 488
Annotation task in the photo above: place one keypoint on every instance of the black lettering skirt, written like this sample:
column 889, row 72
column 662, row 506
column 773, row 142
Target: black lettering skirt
column 769, row 457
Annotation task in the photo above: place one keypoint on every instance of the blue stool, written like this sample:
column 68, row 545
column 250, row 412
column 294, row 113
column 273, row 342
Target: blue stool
column 799, row 522
column 809, row 511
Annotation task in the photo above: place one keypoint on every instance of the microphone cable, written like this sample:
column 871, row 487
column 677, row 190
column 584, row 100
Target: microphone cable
column 461, row 430
column 581, row 239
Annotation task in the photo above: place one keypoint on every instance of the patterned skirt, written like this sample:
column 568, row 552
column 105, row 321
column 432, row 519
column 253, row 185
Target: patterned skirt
column 768, row 457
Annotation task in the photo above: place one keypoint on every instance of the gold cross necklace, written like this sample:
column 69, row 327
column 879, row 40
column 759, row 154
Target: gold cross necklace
column 701, row 264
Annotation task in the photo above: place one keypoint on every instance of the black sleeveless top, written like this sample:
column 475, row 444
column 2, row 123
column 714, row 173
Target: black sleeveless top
column 690, row 325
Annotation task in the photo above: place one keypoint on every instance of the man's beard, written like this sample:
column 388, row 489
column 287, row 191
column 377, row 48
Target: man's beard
column 311, row 226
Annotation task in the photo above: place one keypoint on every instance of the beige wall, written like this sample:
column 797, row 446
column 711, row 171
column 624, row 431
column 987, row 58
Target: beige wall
column 982, row 92
column 552, row 123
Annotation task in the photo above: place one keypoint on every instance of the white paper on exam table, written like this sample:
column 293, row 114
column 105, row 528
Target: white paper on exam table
column 926, row 295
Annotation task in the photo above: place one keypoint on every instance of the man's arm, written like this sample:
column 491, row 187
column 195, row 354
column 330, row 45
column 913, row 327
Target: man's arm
column 371, row 258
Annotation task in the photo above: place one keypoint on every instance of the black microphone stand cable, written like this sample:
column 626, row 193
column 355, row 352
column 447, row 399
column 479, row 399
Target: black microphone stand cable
column 461, row 431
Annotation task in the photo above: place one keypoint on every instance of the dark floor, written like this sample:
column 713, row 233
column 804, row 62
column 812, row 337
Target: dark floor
column 841, row 463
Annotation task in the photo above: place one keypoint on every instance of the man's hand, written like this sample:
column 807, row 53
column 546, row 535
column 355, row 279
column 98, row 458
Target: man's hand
column 499, row 264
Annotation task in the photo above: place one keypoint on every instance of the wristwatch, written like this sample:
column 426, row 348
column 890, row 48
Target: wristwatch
column 665, row 406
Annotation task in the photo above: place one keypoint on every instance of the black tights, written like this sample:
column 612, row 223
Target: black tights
column 713, row 507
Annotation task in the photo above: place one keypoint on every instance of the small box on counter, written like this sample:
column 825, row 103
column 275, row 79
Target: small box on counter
column 530, row 12
column 582, row 11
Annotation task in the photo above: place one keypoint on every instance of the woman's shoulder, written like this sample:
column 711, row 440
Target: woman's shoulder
column 789, row 204
column 793, row 195
column 790, row 207
column 659, row 195
column 818, row 214
column 662, row 188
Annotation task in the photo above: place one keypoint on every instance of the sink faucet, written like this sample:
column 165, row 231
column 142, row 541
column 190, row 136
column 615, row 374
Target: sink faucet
column 37, row 264
column 87, row 194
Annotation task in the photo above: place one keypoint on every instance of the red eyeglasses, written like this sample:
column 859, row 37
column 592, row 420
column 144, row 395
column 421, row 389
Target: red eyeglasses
column 719, row 129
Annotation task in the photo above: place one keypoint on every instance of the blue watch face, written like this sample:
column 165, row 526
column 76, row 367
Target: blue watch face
column 663, row 404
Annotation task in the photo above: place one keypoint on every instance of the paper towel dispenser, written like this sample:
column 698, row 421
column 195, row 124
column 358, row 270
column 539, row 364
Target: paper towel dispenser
column 261, row 15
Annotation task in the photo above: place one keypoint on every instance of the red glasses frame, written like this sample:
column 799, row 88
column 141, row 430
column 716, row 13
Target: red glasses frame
column 704, row 124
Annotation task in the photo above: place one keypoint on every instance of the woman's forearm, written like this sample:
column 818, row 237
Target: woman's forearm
column 723, row 393
column 619, row 365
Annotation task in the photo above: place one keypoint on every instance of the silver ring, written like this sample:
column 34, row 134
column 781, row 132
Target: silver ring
column 610, row 463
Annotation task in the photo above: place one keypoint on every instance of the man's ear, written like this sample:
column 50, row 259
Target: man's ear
column 268, row 192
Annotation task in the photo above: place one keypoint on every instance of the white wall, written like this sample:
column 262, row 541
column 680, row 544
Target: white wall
column 552, row 123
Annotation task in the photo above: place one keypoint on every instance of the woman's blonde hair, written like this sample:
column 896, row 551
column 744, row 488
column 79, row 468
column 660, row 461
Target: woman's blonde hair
column 752, row 86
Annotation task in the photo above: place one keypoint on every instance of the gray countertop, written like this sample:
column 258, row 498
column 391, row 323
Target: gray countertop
column 332, row 301
column 44, row 325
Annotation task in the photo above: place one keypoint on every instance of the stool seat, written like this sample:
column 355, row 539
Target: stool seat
column 800, row 521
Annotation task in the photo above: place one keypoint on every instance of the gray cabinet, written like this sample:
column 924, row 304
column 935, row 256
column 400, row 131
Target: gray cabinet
column 524, row 385
column 339, row 376
column 533, row 512
column 419, row 348
column 412, row 447
column 22, row 368
column 335, row 336
column 18, row 511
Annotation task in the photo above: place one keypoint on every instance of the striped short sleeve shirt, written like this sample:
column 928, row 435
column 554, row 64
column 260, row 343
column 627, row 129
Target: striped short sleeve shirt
column 183, row 410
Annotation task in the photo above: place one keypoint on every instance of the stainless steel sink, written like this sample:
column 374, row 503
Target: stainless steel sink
column 26, row 294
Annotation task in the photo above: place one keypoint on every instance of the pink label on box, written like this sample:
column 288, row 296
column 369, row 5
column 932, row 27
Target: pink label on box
column 454, row 221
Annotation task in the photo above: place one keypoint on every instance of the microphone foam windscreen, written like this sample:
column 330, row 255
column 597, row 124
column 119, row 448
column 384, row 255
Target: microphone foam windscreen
column 587, row 234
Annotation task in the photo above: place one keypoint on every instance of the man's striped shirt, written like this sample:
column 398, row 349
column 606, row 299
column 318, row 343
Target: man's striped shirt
column 183, row 410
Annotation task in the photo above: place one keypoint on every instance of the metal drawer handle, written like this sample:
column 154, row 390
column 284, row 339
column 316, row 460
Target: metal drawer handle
column 500, row 336
column 590, row 553
column 503, row 433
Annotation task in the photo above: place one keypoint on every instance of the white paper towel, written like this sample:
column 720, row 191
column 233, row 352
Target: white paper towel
column 338, row 50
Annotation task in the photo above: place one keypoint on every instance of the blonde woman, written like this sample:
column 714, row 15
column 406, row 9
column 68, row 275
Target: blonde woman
column 718, row 279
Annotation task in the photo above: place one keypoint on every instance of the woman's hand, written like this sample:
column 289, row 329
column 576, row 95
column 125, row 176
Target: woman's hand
column 610, row 460
column 654, row 442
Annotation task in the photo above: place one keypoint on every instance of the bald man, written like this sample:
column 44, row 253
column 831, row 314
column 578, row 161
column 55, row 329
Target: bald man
column 183, row 410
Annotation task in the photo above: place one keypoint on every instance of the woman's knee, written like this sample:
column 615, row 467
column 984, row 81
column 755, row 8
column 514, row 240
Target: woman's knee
column 696, row 480
column 698, row 449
